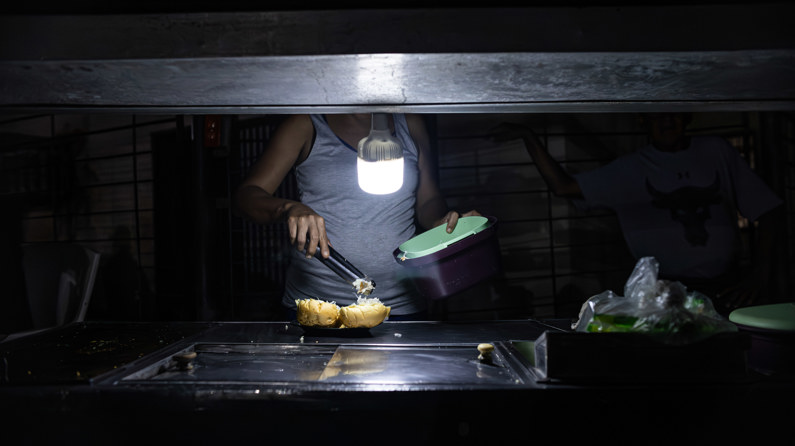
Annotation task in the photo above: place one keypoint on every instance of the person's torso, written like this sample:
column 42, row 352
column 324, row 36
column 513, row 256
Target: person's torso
column 678, row 207
column 364, row 228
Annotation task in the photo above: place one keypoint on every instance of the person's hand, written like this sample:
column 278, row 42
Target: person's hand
column 749, row 291
column 307, row 230
column 736, row 296
column 451, row 219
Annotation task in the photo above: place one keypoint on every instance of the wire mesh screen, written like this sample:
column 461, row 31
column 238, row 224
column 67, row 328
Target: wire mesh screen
column 260, row 253
column 787, row 141
column 87, row 180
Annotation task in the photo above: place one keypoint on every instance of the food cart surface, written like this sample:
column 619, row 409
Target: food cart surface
column 228, row 380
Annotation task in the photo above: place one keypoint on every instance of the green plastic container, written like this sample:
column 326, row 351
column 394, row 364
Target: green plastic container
column 441, row 264
column 772, row 330
column 438, row 239
column 768, row 317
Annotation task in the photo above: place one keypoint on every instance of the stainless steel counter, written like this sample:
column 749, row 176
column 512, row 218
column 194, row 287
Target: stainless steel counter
column 396, row 383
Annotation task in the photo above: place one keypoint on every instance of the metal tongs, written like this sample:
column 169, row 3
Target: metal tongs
column 345, row 269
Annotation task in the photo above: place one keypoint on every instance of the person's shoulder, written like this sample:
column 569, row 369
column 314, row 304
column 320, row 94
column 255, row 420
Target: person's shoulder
column 297, row 123
column 714, row 145
column 413, row 119
column 416, row 123
column 709, row 142
column 635, row 155
column 296, row 131
column 300, row 119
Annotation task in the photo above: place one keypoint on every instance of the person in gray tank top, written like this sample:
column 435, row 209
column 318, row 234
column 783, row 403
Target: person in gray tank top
column 333, row 210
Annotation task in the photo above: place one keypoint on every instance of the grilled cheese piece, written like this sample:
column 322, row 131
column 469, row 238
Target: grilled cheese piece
column 318, row 313
column 366, row 312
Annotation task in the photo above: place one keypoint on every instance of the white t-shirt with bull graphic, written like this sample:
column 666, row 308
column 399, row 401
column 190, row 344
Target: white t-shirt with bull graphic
column 680, row 207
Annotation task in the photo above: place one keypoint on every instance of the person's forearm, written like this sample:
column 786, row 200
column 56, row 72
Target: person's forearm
column 261, row 207
column 431, row 212
column 558, row 180
column 764, row 254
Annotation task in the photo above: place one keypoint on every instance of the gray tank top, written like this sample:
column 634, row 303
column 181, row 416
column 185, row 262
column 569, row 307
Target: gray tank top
column 364, row 228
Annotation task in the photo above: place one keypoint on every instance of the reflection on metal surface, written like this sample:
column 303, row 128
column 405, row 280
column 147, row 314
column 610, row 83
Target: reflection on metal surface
column 416, row 365
column 413, row 366
column 356, row 362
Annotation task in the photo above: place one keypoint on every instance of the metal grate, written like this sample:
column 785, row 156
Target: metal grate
column 87, row 179
column 259, row 253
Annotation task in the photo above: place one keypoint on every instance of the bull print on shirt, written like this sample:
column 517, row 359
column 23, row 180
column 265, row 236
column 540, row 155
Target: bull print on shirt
column 689, row 206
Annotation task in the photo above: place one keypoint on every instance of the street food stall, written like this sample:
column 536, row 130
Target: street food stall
column 397, row 382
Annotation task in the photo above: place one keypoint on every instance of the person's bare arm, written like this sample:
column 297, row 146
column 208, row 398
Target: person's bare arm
column 431, row 207
column 254, row 197
column 560, row 182
column 757, row 284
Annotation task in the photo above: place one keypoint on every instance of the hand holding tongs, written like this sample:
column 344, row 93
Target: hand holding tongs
column 345, row 269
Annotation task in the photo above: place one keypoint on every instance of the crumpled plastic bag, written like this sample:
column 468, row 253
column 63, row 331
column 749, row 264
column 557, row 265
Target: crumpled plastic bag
column 663, row 309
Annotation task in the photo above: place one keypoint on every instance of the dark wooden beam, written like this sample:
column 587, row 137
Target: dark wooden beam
column 629, row 58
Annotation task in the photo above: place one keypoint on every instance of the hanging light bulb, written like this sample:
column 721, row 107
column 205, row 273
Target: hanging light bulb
column 380, row 159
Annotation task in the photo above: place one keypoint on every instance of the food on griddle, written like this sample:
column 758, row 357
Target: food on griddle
column 485, row 352
column 366, row 312
column 318, row 313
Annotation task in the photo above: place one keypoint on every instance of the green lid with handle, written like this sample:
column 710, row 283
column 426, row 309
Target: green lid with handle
column 437, row 238
column 771, row 317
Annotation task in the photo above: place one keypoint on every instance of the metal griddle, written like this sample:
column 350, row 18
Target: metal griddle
column 275, row 357
column 336, row 367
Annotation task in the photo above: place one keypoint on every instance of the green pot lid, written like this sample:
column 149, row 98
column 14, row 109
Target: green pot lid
column 437, row 238
column 771, row 317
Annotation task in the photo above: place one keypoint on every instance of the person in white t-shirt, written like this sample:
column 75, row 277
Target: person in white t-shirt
column 676, row 199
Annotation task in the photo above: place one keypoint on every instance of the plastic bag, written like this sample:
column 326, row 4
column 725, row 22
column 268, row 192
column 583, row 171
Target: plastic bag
column 663, row 309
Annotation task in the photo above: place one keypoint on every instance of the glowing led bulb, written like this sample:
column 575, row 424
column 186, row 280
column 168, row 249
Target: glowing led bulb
column 380, row 159
column 380, row 177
